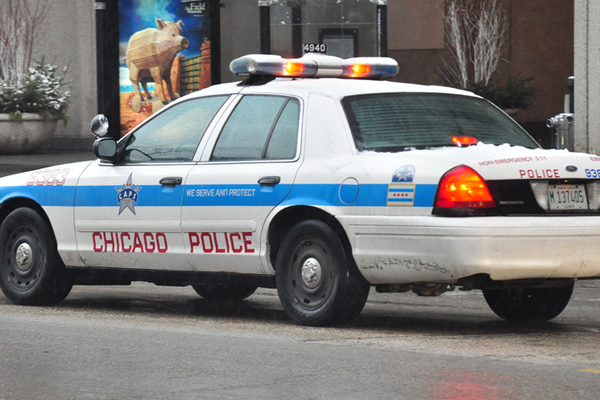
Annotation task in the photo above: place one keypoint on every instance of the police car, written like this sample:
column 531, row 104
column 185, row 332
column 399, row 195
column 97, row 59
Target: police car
column 319, row 178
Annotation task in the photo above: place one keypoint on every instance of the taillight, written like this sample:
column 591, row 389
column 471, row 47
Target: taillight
column 463, row 188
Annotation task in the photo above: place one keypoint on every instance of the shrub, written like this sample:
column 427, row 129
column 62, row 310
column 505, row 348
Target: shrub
column 515, row 93
column 38, row 92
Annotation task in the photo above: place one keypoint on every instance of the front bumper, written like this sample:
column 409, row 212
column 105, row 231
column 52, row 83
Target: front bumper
column 414, row 249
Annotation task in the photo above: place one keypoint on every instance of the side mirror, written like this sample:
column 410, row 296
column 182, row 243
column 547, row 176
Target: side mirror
column 105, row 149
column 99, row 126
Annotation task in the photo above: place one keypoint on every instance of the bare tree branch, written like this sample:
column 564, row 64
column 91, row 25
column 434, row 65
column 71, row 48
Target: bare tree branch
column 20, row 21
column 458, row 43
column 475, row 37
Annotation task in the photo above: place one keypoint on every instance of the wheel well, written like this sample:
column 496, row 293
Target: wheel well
column 19, row 202
column 289, row 217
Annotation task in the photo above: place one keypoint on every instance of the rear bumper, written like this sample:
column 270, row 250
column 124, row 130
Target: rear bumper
column 437, row 249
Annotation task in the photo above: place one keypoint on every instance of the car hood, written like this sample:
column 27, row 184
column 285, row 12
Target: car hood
column 47, row 176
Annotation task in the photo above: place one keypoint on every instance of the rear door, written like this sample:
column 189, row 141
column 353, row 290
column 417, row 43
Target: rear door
column 247, row 169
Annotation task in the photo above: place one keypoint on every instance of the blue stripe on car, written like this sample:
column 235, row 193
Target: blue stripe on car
column 369, row 195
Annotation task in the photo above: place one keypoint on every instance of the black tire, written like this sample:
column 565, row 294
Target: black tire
column 529, row 304
column 31, row 271
column 317, row 283
column 223, row 292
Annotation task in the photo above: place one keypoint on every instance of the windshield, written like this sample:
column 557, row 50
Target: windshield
column 396, row 121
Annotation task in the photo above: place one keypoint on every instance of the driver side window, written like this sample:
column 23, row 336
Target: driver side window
column 175, row 134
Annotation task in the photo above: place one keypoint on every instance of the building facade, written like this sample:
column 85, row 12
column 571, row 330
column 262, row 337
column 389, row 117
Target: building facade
column 587, row 76
column 539, row 44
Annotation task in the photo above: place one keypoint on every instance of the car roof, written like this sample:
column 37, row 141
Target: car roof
column 335, row 88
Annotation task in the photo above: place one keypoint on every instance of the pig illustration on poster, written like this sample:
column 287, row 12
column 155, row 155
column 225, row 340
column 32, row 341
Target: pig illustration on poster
column 149, row 57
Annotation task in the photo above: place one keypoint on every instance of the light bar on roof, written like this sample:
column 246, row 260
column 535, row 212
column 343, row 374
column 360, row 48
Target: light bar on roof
column 367, row 67
column 314, row 66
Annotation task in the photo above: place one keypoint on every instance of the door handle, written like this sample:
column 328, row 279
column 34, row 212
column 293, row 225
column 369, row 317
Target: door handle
column 171, row 181
column 269, row 180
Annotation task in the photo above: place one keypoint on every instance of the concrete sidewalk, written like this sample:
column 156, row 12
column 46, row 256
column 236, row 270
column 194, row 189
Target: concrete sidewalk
column 13, row 164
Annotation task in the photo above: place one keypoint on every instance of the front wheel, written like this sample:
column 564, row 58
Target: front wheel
column 529, row 304
column 31, row 271
column 317, row 282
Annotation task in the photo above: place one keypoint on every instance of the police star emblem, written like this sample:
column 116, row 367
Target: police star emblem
column 127, row 196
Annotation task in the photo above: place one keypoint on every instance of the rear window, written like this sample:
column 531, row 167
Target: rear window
column 397, row 121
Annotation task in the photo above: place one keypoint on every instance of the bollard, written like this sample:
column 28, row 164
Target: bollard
column 563, row 131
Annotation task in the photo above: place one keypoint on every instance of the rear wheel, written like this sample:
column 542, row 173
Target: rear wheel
column 31, row 271
column 529, row 304
column 223, row 292
column 316, row 281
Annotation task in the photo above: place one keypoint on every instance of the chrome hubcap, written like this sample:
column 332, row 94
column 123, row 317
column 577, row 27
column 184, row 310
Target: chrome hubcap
column 311, row 273
column 23, row 257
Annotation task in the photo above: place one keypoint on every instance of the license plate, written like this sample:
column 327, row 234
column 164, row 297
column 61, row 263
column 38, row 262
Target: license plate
column 567, row 197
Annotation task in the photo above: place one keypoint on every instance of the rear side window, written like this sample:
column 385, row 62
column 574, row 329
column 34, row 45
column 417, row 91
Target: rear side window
column 397, row 121
column 260, row 127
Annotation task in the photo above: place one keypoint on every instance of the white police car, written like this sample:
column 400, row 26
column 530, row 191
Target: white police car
column 318, row 187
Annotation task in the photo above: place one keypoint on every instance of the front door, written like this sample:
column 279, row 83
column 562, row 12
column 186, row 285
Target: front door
column 128, row 215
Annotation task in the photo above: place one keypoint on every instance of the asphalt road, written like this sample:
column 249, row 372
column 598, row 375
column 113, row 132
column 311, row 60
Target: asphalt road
column 148, row 342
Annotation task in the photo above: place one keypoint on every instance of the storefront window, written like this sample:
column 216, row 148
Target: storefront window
column 348, row 28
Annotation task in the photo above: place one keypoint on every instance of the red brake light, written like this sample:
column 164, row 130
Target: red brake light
column 464, row 140
column 461, row 187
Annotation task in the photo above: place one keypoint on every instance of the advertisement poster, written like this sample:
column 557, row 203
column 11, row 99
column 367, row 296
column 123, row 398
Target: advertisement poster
column 164, row 54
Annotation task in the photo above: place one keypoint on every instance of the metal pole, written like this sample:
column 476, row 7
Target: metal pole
column 265, row 29
column 296, row 30
column 215, row 41
column 382, row 30
column 107, row 54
